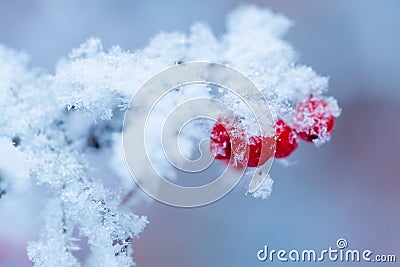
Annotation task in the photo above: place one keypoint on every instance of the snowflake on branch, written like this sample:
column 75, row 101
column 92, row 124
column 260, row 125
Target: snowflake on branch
column 50, row 123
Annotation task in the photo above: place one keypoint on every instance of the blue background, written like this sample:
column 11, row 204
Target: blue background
column 348, row 188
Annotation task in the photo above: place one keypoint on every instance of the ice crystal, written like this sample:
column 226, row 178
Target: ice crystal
column 265, row 190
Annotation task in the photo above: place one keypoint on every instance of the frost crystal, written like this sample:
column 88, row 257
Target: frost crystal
column 55, row 120
column 81, row 206
column 265, row 190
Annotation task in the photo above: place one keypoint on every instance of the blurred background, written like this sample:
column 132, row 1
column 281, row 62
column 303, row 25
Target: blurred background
column 348, row 188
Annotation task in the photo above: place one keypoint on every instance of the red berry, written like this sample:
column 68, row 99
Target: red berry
column 313, row 119
column 220, row 144
column 261, row 149
column 286, row 141
column 228, row 139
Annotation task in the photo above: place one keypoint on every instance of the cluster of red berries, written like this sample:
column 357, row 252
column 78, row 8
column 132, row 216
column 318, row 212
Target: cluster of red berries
column 313, row 120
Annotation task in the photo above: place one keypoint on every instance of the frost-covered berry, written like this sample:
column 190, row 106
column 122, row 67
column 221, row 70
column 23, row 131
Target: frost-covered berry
column 227, row 139
column 313, row 119
column 220, row 145
column 286, row 140
column 261, row 148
